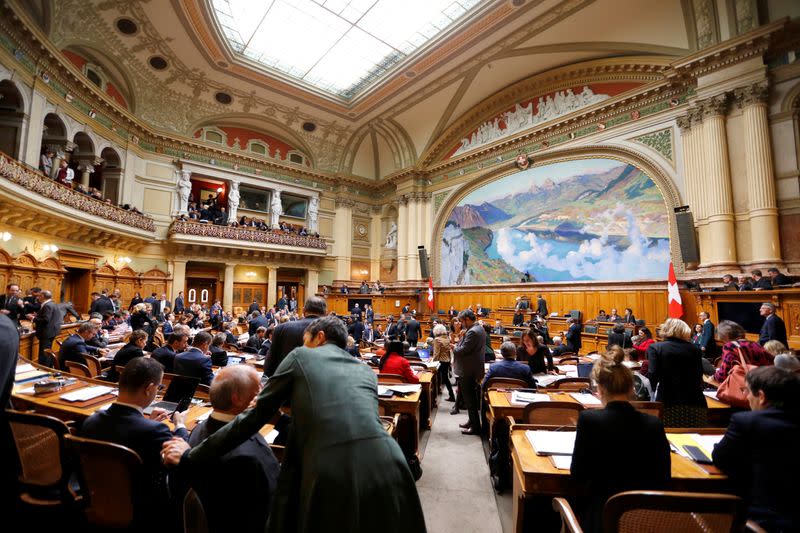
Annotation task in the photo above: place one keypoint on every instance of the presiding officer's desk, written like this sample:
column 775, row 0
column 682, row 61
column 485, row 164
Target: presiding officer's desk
column 536, row 476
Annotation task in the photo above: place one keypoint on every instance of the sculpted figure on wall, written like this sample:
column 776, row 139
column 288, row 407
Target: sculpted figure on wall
column 313, row 213
column 391, row 237
column 184, row 190
column 233, row 201
column 276, row 209
column 522, row 117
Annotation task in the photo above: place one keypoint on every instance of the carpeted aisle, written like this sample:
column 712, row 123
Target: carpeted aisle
column 455, row 488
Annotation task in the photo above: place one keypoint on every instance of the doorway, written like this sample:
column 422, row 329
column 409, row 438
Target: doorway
column 201, row 291
column 76, row 288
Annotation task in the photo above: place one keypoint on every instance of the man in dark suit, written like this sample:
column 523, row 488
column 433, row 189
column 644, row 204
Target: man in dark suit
column 217, row 351
column 251, row 466
column 194, row 362
column 573, row 336
column 289, row 335
column 176, row 343
column 728, row 283
column 123, row 423
column 160, row 305
column 760, row 283
column 759, row 450
column 267, row 344
column 100, row 304
column 391, row 328
column 707, row 342
column 47, row 323
column 74, row 347
column 11, row 304
column 469, row 356
column 179, row 305
column 776, row 278
column 132, row 350
column 31, row 301
column 541, row 306
column 413, row 331
column 509, row 367
column 257, row 321
column 255, row 341
column 9, row 349
column 151, row 300
column 356, row 330
column 774, row 328
column 559, row 349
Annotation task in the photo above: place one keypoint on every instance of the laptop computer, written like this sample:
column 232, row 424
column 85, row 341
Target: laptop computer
column 178, row 395
column 235, row 359
column 423, row 353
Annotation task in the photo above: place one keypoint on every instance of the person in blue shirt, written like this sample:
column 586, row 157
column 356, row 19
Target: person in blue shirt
column 509, row 367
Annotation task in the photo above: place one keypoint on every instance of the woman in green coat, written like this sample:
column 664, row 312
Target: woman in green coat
column 341, row 471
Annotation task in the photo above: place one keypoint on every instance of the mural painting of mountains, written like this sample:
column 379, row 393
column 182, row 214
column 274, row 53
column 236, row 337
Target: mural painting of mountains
column 576, row 220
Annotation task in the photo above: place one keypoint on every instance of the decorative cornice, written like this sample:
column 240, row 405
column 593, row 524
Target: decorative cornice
column 345, row 202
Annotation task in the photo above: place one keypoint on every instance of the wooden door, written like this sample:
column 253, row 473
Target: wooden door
column 201, row 290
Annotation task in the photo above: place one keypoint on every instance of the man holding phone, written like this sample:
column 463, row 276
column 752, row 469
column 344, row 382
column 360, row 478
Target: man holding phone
column 125, row 423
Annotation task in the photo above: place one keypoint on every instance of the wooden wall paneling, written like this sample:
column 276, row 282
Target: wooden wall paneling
column 5, row 269
column 154, row 281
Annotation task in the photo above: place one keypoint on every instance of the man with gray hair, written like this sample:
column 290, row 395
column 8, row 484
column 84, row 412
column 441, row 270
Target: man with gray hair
column 509, row 367
column 251, row 466
column 774, row 328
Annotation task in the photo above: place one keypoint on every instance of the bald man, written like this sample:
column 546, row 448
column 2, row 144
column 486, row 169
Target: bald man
column 251, row 467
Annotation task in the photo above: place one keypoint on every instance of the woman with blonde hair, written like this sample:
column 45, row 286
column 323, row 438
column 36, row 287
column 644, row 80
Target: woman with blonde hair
column 676, row 374
column 443, row 353
column 618, row 426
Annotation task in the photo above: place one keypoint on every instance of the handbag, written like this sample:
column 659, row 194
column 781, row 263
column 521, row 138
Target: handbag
column 731, row 391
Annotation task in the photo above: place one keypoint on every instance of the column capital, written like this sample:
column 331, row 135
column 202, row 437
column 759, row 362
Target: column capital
column 345, row 202
column 376, row 209
column 715, row 106
column 755, row 94
column 684, row 123
column 402, row 199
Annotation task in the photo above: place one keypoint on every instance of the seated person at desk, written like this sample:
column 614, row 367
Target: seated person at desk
column 613, row 317
column 760, row 283
column 616, row 428
column 498, row 328
column 535, row 354
column 219, row 357
column 255, row 341
column 519, row 317
column 230, row 336
column 601, row 316
column 617, row 337
column 733, row 337
column 123, row 423
column 251, row 467
column 743, row 283
column 759, row 450
column 393, row 362
column 559, row 348
column 74, row 347
column 343, row 471
column 509, row 367
column 132, row 350
column 643, row 341
column 176, row 343
column 352, row 347
column 194, row 362
column 628, row 318
column 267, row 344
column 776, row 278
column 100, row 338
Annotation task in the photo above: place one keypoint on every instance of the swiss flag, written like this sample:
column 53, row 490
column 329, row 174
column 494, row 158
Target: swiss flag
column 430, row 294
column 673, row 295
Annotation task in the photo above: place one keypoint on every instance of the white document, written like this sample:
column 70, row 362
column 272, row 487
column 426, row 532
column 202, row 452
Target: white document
column 528, row 397
column 546, row 379
column 562, row 462
column 567, row 368
column 593, row 357
column 382, row 389
column 586, row 399
column 204, row 416
column 433, row 365
column 24, row 368
column 86, row 394
column 403, row 389
column 711, row 394
column 552, row 442
column 707, row 442
column 271, row 436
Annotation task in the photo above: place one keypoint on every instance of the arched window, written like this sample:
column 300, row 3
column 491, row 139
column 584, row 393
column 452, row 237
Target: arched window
column 258, row 147
column 214, row 137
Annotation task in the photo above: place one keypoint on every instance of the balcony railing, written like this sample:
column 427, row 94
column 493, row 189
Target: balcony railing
column 34, row 181
column 185, row 227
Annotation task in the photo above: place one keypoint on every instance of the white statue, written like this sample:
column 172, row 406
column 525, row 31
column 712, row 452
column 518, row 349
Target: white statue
column 276, row 209
column 184, row 190
column 391, row 237
column 233, row 201
column 313, row 211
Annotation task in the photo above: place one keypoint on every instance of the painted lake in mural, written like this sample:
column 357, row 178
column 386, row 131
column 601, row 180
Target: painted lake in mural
column 591, row 219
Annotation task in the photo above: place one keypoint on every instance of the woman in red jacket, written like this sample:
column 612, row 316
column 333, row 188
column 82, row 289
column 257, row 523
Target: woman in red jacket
column 393, row 362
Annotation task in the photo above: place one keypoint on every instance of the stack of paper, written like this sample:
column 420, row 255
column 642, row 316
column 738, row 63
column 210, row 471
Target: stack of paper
column 711, row 394
column 86, row 394
column 528, row 397
column 404, row 389
column 24, row 368
column 562, row 462
column 552, row 442
column 546, row 379
column 586, row 399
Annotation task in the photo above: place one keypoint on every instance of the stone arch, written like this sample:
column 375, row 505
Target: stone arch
column 404, row 153
column 84, row 143
column 660, row 177
column 111, row 71
column 12, row 115
column 110, row 174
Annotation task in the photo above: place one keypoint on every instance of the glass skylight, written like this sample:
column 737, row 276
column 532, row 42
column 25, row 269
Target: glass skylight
column 339, row 46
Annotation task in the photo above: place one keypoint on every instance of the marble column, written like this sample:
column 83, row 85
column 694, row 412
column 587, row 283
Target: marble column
column 33, row 143
column 86, row 172
column 272, row 287
column 343, row 237
column 402, row 238
column 227, row 288
column 376, row 240
column 718, row 193
column 693, row 170
column 412, row 260
column 178, row 269
column 312, row 283
column 763, row 204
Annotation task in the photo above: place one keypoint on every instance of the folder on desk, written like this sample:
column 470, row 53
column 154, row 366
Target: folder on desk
column 586, row 399
column 81, row 395
column 552, row 442
column 562, row 462
column 528, row 397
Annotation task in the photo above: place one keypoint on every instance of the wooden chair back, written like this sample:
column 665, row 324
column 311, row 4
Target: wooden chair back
column 108, row 478
column 194, row 515
column 78, row 369
column 93, row 363
column 418, row 366
column 651, row 408
column 39, row 442
column 673, row 511
column 571, row 384
column 202, row 392
column 571, row 360
column 552, row 413
column 54, row 358
column 506, row 383
column 391, row 378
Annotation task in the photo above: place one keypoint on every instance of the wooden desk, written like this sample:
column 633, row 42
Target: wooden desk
column 408, row 428
column 427, row 397
column 535, row 475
